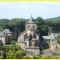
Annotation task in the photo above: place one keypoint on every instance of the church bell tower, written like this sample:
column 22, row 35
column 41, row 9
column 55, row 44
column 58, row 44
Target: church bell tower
column 33, row 38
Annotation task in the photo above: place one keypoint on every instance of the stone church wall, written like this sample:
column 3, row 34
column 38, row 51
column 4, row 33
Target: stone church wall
column 22, row 45
column 32, row 51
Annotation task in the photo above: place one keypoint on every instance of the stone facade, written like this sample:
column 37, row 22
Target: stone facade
column 5, row 37
column 54, row 47
column 32, row 51
column 29, row 39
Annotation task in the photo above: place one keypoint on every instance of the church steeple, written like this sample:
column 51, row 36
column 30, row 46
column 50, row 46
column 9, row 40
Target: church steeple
column 31, row 20
column 31, row 25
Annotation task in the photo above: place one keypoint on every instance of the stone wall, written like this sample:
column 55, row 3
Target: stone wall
column 3, row 40
column 32, row 51
column 22, row 45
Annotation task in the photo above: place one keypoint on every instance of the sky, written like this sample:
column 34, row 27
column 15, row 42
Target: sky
column 45, row 10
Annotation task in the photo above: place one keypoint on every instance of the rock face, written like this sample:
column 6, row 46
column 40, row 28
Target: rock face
column 29, row 39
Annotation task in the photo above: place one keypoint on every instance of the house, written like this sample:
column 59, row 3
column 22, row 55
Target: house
column 29, row 39
column 5, row 37
column 2, row 38
column 8, row 33
column 50, row 39
column 54, row 47
column 46, row 39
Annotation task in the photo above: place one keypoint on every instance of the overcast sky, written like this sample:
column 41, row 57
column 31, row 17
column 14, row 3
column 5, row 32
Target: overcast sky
column 24, row 10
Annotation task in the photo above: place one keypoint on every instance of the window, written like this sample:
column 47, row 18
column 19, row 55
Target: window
column 33, row 27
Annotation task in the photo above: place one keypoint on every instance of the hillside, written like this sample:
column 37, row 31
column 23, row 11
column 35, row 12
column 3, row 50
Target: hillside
column 54, row 18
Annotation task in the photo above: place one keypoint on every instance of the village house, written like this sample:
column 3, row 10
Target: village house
column 8, row 33
column 5, row 37
column 54, row 47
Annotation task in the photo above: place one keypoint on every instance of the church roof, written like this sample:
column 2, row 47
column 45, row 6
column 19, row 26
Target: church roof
column 30, row 20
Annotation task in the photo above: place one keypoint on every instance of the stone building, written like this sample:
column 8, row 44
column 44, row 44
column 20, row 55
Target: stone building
column 5, row 37
column 50, row 39
column 8, row 33
column 29, row 39
column 2, row 38
column 54, row 47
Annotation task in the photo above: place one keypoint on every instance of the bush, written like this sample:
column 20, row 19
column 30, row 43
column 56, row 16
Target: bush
column 37, row 57
column 58, row 40
column 13, row 42
column 48, row 57
column 26, row 57
column 20, row 55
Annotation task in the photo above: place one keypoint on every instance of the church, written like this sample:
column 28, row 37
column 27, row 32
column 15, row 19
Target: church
column 29, row 39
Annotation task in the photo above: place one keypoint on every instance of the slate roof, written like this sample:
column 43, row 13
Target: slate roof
column 1, row 34
column 46, row 37
column 6, row 31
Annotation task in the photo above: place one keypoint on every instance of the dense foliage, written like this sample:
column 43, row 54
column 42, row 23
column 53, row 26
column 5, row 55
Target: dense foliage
column 54, row 23
column 12, row 51
column 58, row 40
column 17, row 25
